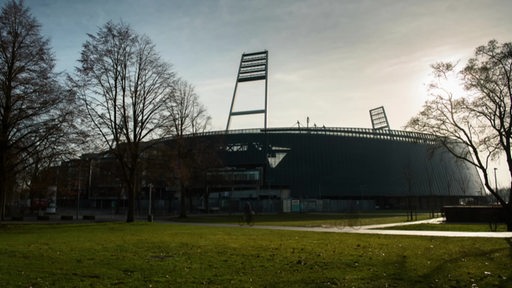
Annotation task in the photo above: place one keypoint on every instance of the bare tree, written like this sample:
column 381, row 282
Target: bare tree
column 123, row 83
column 188, row 117
column 35, row 111
column 187, row 114
column 476, row 127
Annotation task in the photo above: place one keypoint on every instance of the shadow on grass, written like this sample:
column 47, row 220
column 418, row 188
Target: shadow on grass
column 297, row 219
column 472, row 269
column 509, row 242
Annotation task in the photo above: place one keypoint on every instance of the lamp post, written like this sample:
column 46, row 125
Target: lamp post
column 495, row 181
column 150, row 216
column 78, row 190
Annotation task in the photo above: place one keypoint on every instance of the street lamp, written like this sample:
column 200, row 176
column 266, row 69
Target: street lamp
column 495, row 182
column 150, row 216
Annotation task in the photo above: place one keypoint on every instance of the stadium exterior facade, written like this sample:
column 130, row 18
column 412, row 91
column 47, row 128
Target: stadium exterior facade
column 330, row 169
column 281, row 170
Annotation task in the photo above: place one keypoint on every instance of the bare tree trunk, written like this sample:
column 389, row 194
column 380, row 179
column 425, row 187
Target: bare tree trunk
column 207, row 200
column 183, row 202
column 3, row 189
column 133, row 188
column 509, row 219
column 130, row 217
column 508, row 210
column 3, row 196
column 3, row 178
column 508, row 215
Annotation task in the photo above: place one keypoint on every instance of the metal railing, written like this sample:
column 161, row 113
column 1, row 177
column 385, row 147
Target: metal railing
column 393, row 135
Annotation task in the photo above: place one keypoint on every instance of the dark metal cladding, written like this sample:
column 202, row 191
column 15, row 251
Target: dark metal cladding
column 349, row 163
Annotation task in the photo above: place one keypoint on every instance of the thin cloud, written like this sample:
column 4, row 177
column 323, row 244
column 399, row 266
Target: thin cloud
column 332, row 60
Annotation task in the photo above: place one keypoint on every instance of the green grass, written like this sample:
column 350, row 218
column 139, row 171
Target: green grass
column 167, row 255
column 469, row 227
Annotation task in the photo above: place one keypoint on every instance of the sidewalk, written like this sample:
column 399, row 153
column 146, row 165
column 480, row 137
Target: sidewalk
column 371, row 229
column 378, row 229
column 381, row 229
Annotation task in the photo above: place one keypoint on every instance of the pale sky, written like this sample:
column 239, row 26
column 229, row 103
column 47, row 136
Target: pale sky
column 329, row 60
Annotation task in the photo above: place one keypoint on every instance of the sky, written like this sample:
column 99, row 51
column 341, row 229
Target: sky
column 329, row 60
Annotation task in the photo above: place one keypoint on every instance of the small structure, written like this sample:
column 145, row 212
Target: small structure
column 474, row 214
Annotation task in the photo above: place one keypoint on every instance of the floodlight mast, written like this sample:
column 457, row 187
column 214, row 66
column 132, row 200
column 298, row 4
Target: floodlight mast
column 253, row 67
column 379, row 119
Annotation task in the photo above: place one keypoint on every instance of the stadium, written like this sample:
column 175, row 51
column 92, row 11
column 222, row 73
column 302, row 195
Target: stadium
column 331, row 169
column 324, row 169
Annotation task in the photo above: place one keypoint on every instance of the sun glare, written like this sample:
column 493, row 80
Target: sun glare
column 453, row 85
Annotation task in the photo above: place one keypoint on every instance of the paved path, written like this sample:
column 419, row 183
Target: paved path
column 383, row 229
column 375, row 229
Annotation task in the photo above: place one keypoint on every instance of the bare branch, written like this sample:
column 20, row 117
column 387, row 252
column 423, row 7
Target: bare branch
column 481, row 121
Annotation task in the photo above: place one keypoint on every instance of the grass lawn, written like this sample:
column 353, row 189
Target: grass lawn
column 170, row 255
column 466, row 227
